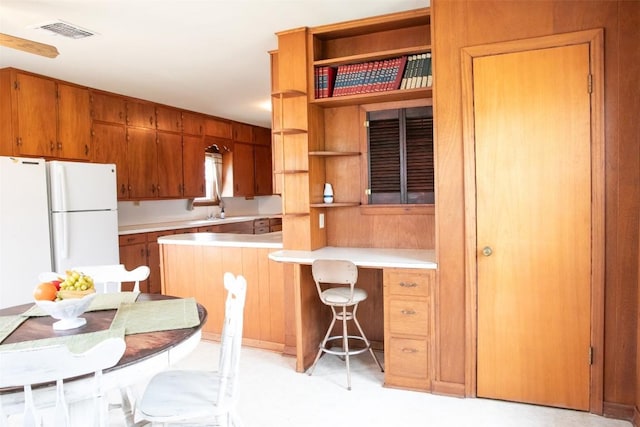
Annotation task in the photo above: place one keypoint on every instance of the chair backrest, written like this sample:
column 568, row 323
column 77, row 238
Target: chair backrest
column 111, row 277
column 231, row 340
column 334, row 272
column 30, row 366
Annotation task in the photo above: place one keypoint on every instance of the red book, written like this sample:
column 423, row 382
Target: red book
column 399, row 72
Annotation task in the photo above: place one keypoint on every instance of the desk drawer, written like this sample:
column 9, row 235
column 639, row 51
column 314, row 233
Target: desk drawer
column 406, row 282
column 408, row 358
column 407, row 316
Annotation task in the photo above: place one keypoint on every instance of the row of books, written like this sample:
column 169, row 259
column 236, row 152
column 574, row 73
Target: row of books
column 404, row 72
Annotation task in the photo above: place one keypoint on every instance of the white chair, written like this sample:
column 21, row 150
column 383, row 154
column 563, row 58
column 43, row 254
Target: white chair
column 344, row 274
column 202, row 397
column 27, row 367
column 111, row 277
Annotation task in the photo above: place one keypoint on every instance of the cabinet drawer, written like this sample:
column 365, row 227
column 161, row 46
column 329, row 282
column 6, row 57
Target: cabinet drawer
column 406, row 282
column 275, row 221
column 407, row 316
column 153, row 237
column 263, row 222
column 132, row 239
column 408, row 358
column 261, row 230
column 277, row 227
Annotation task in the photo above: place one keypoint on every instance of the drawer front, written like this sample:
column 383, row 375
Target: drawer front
column 408, row 358
column 153, row 237
column 261, row 230
column 275, row 221
column 408, row 316
column 132, row 239
column 406, row 282
column 258, row 223
column 277, row 227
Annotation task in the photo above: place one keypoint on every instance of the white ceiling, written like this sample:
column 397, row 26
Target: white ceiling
column 209, row 56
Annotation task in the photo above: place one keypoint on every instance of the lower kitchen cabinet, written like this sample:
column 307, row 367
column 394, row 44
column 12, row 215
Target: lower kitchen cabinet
column 407, row 329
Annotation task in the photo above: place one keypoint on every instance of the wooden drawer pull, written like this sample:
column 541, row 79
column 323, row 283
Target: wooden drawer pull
column 408, row 284
column 409, row 350
column 408, row 312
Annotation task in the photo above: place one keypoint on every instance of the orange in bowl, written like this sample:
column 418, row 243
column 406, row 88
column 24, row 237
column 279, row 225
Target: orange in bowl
column 45, row 291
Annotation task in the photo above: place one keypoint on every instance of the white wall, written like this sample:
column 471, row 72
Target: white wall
column 156, row 211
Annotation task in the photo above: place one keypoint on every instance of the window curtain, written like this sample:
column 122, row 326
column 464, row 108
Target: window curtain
column 213, row 173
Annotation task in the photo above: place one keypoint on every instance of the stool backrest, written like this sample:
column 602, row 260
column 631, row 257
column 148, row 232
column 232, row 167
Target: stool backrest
column 334, row 272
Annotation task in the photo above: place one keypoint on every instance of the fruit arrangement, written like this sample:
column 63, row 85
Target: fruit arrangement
column 74, row 285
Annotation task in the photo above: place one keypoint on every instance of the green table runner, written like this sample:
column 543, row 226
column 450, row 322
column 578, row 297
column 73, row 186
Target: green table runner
column 78, row 343
column 8, row 324
column 109, row 301
column 151, row 316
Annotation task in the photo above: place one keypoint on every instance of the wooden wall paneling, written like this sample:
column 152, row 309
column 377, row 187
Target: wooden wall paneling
column 296, row 200
column 289, row 295
column 210, row 272
column 295, row 116
column 317, row 178
column 318, row 235
column 277, row 304
column 450, row 24
column 296, row 231
column 352, row 227
column 249, row 269
column 295, row 152
column 460, row 24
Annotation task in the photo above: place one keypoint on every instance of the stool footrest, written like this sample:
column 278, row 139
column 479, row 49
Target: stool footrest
column 342, row 352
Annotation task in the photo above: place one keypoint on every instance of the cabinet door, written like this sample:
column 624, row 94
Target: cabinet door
column 169, row 164
column 133, row 256
column 141, row 114
column 143, row 163
column 261, row 136
column 192, row 124
column 37, row 105
column 263, row 170
column 217, row 128
column 109, row 145
column 74, row 122
column 242, row 132
column 193, row 166
column 108, row 108
column 243, row 170
column 169, row 119
column 154, row 283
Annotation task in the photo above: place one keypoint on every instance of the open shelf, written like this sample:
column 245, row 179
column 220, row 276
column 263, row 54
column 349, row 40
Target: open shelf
column 288, row 131
column 374, row 56
column 288, row 94
column 334, row 205
column 374, row 97
column 333, row 153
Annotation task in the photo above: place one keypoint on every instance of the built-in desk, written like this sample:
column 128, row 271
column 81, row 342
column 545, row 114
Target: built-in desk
column 407, row 277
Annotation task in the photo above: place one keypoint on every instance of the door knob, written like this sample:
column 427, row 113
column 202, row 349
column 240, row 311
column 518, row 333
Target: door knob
column 487, row 251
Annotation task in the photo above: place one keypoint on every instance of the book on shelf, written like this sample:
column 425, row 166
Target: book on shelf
column 401, row 72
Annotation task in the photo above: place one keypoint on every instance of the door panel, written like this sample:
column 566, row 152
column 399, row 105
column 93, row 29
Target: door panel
column 533, row 178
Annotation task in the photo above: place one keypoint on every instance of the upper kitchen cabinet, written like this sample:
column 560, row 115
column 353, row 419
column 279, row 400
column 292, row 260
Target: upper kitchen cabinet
column 142, row 163
column 109, row 145
column 247, row 167
column 193, row 152
column 108, row 108
column 192, row 123
column 168, row 119
column 218, row 128
column 42, row 117
column 170, row 164
column 141, row 114
column 242, row 132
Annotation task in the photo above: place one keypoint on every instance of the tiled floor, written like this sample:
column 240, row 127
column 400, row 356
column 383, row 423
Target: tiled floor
column 272, row 394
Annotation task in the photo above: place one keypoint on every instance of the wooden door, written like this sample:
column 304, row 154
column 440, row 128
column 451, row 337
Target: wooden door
column 108, row 108
column 37, row 124
column 74, row 122
column 263, row 170
column 533, row 199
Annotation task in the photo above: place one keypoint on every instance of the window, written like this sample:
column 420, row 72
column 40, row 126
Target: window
column 213, row 178
column 401, row 167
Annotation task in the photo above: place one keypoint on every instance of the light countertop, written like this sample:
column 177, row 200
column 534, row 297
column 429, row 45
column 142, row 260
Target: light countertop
column 267, row 240
column 173, row 225
column 363, row 257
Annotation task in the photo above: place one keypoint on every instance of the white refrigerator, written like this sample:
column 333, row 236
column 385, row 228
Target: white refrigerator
column 84, row 214
column 25, row 243
column 53, row 216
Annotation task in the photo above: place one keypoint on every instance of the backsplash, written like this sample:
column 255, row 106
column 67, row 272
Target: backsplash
column 155, row 211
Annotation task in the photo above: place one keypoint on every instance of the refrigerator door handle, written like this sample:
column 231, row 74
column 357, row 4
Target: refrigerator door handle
column 61, row 186
column 64, row 250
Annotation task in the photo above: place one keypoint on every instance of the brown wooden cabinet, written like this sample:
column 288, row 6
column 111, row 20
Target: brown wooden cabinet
column 108, row 107
column 247, row 171
column 133, row 253
column 44, row 117
column 142, row 163
column 74, row 122
column 407, row 328
column 193, row 166
column 170, row 166
column 242, row 132
column 218, row 128
column 168, row 119
column 109, row 145
column 141, row 114
column 192, row 124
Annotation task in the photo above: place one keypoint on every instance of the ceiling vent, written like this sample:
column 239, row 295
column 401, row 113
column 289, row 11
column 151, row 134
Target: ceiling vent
column 65, row 29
